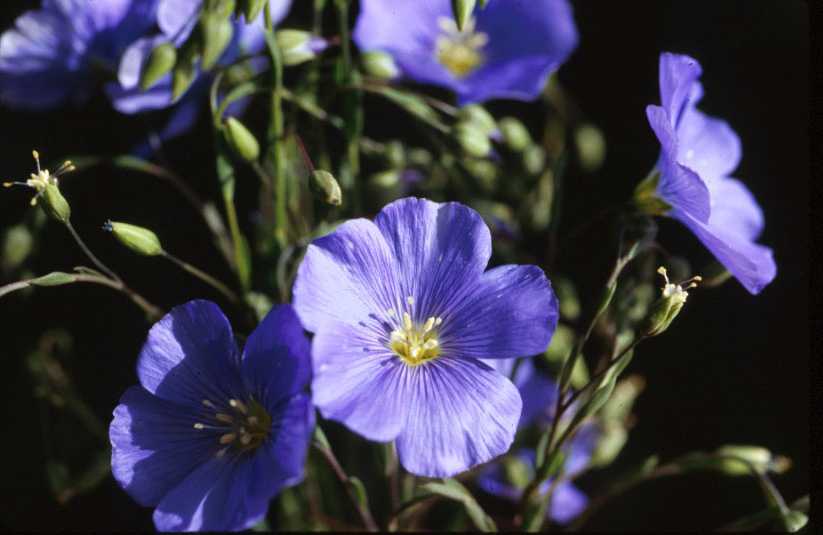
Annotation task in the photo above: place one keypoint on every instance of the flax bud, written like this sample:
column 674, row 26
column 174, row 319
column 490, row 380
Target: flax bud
column 241, row 140
column 515, row 134
column 216, row 34
column 472, row 140
column 55, row 205
column 380, row 65
column 251, row 8
column 462, row 11
column 668, row 306
column 140, row 240
column 159, row 63
column 326, row 188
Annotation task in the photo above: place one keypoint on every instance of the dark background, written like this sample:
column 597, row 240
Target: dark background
column 733, row 369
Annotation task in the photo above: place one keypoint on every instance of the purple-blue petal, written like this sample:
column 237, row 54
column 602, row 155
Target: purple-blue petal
column 678, row 74
column 154, row 445
column 567, row 503
column 464, row 413
column 276, row 362
column 440, row 249
column 511, row 312
column 190, row 355
column 706, row 145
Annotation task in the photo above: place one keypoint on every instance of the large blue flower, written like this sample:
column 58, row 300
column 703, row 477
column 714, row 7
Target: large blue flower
column 567, row 500
column 698, row 154
column 50, row 55
column 507, row 51
column 403, row 311
column 211, row 435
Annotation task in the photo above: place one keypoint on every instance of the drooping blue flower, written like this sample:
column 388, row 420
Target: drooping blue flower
column 176, row 20
column 211, row 435
column 402, row 312
column 698, row 155
column 508, row 477
column 507, row 50
column 51, row 55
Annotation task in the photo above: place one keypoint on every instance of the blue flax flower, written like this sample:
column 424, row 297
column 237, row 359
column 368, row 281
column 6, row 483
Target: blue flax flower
column 537, row 390
column 698, row 154
column 210, row 436
column 51, row 54
column 507, row 50
column 510, row 476
column 403, row 311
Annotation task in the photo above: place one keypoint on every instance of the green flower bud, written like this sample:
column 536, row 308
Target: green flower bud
column 477, row 116
column 646, row 199
column 665, row 309
column 794, row 521
column 517, row 472
column 216, row 33
column 534, row 159
column 159, row 63
column 221, row 8
column 473, row 141
column 140, row 240
column 619, row 407
column 611, row 442
column 17, row 245
column 395, row 154
column 251, row 8
column 515, row 134
column 462, row 10
column 326, row 188
column 591, row 147
column 380, row 65
column 241, row 140
column 298, row 46
column 184, row 70
column 757, row 456
column 55, row 205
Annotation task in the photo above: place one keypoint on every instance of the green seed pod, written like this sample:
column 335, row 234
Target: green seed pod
column 298, row 46
column 759, row 457
column 216, row 35
column 515, row 134
column 241, row 140
column 184, row 70
column 472, row 140
column 462, row 10
column 665, row 309
column 159, row 63
column 55, row 205
column 534, row 159
column 380, row 65
column 477, row 116
column 326, row 188
column 140, row 240
column 591, row 147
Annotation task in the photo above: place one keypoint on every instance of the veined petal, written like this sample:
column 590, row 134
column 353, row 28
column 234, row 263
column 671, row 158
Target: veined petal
column 190, row 355
column 512, row 312
column 750, row 263
column 461, row 413
column 734, row 208
column 440, row 248
column 346, row 276
column 154, row 445
column 358, row 381
column 707, row 145
column 678, row 74
column 276, row 362
column 176, row 18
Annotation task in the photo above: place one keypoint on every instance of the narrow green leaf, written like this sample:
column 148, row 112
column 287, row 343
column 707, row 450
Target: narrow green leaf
column 55, row 278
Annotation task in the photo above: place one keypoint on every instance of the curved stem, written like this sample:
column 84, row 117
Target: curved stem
column 365, row 514
column 103, row 267
column 205, row 277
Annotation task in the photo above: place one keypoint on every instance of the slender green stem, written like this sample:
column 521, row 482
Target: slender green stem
column 365, row 515
column 103, row 267
column 152, row 312
column 275, row 136
column 205, row 277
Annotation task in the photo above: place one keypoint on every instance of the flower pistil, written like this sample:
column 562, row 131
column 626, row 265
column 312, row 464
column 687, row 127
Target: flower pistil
column 459, row 51
column 244, row 426
column 414, row 343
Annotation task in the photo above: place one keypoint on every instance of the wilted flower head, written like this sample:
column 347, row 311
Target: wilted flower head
column 692, row 183
column 51, row 54
column 403, row 311
column 508, row 477
column 507, row 50
column 211, row 436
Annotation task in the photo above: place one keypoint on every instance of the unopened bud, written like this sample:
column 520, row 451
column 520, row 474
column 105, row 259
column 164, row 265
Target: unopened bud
column 185, row 69
column 380, row 65
column 251, row 8
column 297, row 46
column 159, row 63
column 140, row 240
column 216, row 33
column 17, row 245
column 610, row 444
column 472, row 140
column 221, row 8
column 462, row 11
column 515, row 134
column 534, row 159
column 591, row 147
column 55, row 205
column 753, row 457
column 518, row 473
column 326, row 187
column 665, row 309
column 241, row 140
column 477, row 116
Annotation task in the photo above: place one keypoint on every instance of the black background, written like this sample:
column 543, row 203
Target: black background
column 734, row 368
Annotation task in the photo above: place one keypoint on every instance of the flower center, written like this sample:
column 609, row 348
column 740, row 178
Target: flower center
column 459, row 51
column 415, row 343
column 243, row 426
column 42, row 179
